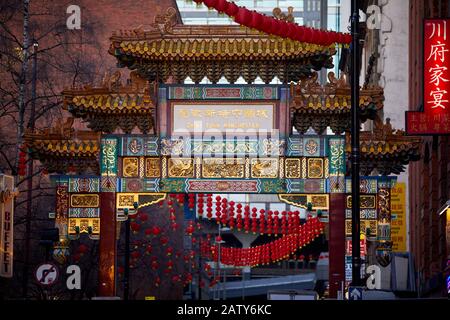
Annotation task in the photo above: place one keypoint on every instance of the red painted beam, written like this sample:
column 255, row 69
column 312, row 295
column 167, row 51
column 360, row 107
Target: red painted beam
column 107, row 246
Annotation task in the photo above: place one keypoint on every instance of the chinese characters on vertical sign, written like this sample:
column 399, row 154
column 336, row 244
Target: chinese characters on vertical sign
column 398, row 214
column 7, row 194
column 436, row 116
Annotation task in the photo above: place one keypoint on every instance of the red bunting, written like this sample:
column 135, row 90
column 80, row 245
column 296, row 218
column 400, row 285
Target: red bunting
column 271, row 25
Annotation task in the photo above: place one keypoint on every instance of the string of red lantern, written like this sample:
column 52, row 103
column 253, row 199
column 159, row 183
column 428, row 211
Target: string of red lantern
column 273, row 224
column 276, row 27
column 272, row 252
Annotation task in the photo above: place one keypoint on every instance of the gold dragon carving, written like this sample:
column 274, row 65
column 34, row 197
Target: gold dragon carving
column 181, row 168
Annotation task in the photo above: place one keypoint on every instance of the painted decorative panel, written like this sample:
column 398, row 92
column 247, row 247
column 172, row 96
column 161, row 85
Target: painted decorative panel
column 90, row 184
column 318, row 201
column 84, row 225
column 315, row 168
column 295, row 147
column 367, row 185
column 232, row 186
column 306, row 186
column 365, row 214
column 62, row 202
column 307, row 146
column 137, row 185
column 84, row 213
column 108, row 184
column 181, row 168
column 293, row 168
column 134, row 146
column 108, row 156
column 336, row 184
column 226, row 93
column 264, row 168
column 365, row 224
column 223, row 168
column 84, row 200
column 130, row 167
column 273, row 186
column 336, row 157
column 152, row 167
column 238, row 147
column 312, row 147
column 366, row 202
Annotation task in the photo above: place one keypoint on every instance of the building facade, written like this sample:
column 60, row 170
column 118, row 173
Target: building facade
column 429, row 178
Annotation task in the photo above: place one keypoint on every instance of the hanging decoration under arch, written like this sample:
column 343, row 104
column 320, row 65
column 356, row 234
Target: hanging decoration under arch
column 272, row 252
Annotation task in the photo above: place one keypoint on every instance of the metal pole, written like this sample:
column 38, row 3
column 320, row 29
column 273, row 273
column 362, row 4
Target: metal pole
column 355, row 154
column 218, row 264
column 30, row 174
column 224, row 289
column 199, row 269
column 243, row 285
column 126, row 275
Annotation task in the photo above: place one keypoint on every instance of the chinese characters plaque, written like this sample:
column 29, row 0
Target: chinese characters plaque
column 436, row 116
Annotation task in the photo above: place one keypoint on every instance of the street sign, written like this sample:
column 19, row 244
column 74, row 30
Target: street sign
column 348, row 268
column 362, row 246
column 46, row 274
column 355, row 293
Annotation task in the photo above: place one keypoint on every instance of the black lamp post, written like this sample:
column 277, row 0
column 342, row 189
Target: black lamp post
column 355, row 154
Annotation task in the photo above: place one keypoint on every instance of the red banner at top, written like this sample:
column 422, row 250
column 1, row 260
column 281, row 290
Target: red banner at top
column 436, row 116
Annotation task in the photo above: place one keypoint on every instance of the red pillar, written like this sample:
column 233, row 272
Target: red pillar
column 336, row 243
column 107, row 249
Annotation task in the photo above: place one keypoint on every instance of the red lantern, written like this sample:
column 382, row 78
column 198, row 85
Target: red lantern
column 156, row 231
column 135, row 255
column 231, row 218
column 269, row 222
column 135, row 227
column 283, row 31
column 221, row 5
column 292, row 30
column 163, row 241
column 143, row 217
column 82, row 249
column 157, row 281
column 243, row 16
column 308, row 35
column 148, row 250
column 232, row 9
column 190, row 229
column 210, row 3
column 275, row 223
column 257, row 20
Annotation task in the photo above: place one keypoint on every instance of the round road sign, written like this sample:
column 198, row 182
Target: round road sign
column 46, row 274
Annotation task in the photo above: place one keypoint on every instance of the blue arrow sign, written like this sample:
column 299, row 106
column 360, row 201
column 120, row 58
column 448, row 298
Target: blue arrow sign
column 355, row 293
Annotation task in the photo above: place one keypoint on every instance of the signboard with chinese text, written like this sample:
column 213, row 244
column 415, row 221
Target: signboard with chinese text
column 7, row 193
column 362, row 248
column 435, row 120
column 398, row 214
column 223, row 118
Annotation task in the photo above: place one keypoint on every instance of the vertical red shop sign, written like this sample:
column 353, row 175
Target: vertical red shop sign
column 436, row 116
